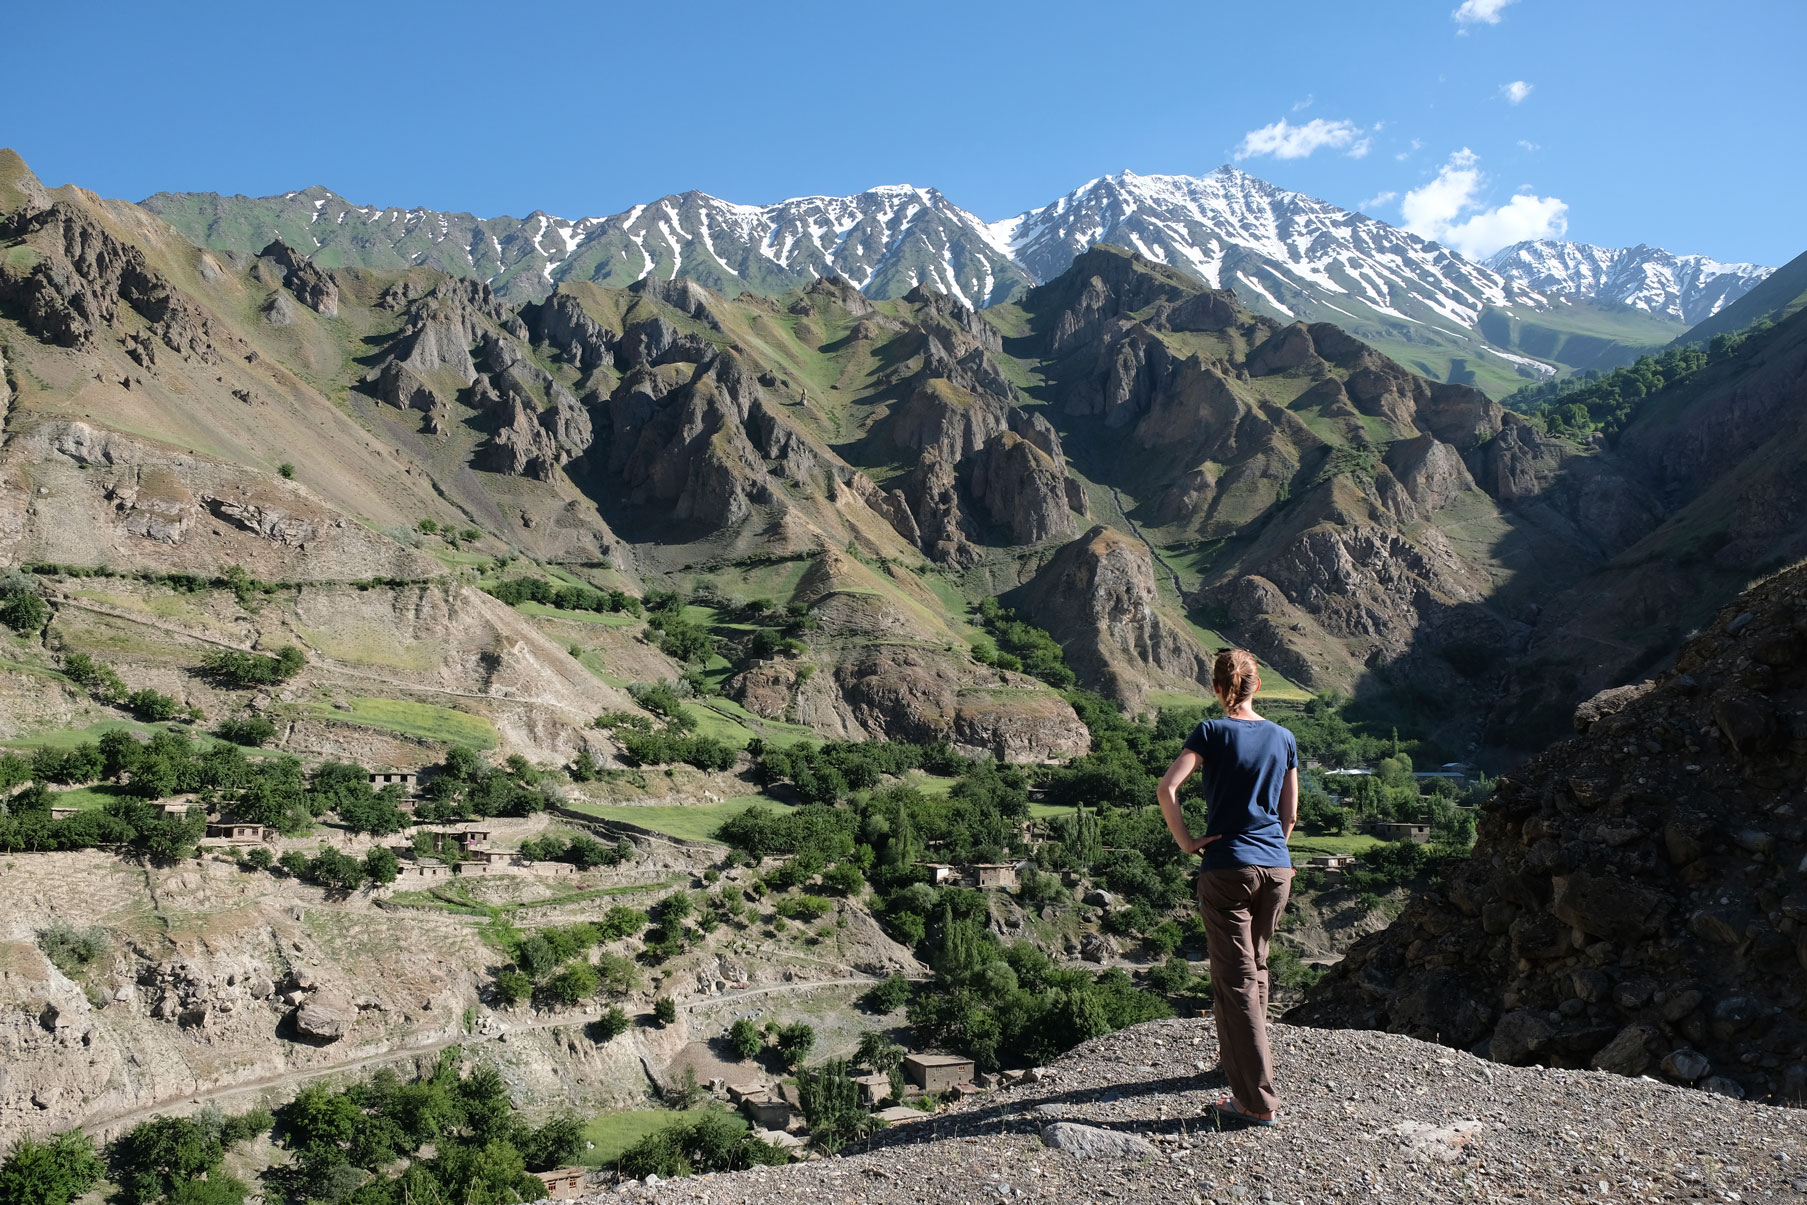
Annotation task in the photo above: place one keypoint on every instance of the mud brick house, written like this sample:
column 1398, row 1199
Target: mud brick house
column 936, row 1073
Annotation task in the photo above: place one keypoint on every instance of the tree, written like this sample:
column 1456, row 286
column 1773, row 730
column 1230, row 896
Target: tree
column 25, row 613
column 381, row 866
column 888, row 996
column 665, row 1010
column 557, row 1142
column 50, row 1171
column 153, row 705
column 163, row 1152
column 795, row 1041
column 612, row 1024
column 878, row 1052
column 831, row 1105
column 575, row 983
column 745, row 1039
column 251, row 731
column 335, row 871
column 376, row 812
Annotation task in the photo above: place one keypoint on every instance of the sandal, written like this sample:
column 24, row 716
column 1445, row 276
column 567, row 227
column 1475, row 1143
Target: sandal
column 1226, row 1110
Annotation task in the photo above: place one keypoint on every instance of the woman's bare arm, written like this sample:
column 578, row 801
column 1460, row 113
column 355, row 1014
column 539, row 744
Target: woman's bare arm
column 1289, row 804
column 1168, row 794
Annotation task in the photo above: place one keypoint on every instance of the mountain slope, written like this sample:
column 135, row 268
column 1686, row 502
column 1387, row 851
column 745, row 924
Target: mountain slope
column 876, row 464
column 1287, row 255
column 1688, row 288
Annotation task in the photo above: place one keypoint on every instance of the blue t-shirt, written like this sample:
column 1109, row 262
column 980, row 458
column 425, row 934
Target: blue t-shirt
column 1245, row 765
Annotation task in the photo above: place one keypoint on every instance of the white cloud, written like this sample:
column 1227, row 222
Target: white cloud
column 1376, row 201
column 1479, row 12
column 1516, row 91
column 1451, row 210
column 1299, row 106
column 1283, row 140
column 1525, row 144
column 1417, row 145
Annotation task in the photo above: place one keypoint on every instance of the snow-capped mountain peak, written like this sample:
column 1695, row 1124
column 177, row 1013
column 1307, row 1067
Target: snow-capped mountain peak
column 1688, row 288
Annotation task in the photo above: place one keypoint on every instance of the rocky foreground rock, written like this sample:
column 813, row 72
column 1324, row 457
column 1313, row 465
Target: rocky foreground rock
column 1637, row 901
column 1368, row 1117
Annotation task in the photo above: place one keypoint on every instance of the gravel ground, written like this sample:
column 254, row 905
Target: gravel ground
column 1367, row 1117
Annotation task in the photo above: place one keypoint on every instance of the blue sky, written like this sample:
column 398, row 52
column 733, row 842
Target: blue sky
column 1667, row 123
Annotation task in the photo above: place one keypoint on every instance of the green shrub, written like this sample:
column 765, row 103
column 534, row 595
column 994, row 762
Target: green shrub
column 612, row 1024
column 153, row 705
column 241, row 671
column 512, row 986
column 251, row 731
column 795, row 1041
column 71, row 949
column 24, row 613
column 575, row 983
column 51, row 1171
column 712, row 1141
column 888, row 996
column 665, row 1010
column 745, row 1039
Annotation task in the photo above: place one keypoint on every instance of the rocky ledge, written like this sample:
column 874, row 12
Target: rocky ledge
column 1636, row 901
column 1368, row 1117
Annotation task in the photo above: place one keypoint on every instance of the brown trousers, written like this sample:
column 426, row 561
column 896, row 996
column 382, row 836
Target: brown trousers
column 1241, row 910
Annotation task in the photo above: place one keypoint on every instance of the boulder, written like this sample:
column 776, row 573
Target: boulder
column 324, row 1021
column 1629, row 1052
column 1092, row 1143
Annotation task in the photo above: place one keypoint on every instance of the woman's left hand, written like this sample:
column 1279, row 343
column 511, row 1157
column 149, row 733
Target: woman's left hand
column 1192, row 845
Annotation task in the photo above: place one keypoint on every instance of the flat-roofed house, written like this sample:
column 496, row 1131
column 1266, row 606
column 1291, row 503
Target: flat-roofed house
column 563, row 1183
column 767, row 1112
column 936, row 1073
column 995, row 874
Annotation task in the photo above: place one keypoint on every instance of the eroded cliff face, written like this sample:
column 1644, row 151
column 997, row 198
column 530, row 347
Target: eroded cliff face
column 212, row 977
column 1635, row 900
column 1097, row 596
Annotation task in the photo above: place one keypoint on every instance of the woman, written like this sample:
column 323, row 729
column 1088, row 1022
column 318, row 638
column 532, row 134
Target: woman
column 1251, row 781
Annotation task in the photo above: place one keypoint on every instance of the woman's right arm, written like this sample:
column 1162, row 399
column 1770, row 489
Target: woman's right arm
column 1289, row 804
column 1168, row 794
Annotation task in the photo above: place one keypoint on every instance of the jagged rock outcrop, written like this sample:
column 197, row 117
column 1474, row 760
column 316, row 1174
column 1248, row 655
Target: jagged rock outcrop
column 312, row 286
column 1097, row 597
column 922, row 695
column 78, row 275
column 1635, row 901
column 1021, row 489
column 561, row 324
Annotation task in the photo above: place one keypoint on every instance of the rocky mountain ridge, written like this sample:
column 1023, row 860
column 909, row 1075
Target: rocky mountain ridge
column 1689, row 288
column 1288, row 255
column 1290, row 486
column 1635, row 901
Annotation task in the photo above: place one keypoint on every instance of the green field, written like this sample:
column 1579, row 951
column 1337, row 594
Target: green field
column 69, row 738
column 608, row 619
column 412, row 719
column 614, row 1133
column 1319, row 847
column 88, row 799
column 691, row 821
